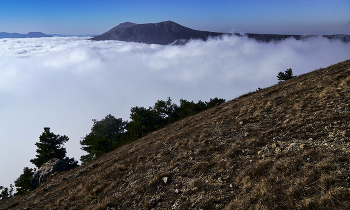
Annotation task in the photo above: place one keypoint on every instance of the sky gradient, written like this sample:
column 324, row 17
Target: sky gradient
column 92, row 17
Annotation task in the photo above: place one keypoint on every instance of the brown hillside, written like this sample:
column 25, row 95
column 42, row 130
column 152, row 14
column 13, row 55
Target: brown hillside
column 283, row 147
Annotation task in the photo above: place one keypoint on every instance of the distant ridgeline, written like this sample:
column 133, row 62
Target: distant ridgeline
column 280, row 37
column 28, row 35
column 171, row 33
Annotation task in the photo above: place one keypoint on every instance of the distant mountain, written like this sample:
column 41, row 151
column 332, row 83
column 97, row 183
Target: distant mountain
column 169, row 32
column 162, row 33
column 66, row 35
column 279, row 37
column 28, row 35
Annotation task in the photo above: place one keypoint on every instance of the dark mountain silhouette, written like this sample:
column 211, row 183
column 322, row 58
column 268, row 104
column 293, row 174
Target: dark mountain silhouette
column 28, row 35
column 169, row 32
column 281, row 147
column 280, row 37
column 162, row 33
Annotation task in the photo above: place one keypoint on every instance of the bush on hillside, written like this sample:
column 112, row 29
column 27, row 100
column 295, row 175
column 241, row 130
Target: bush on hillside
column 288, row 74
column 105, row 136
column 23, row 184
column 110, row 133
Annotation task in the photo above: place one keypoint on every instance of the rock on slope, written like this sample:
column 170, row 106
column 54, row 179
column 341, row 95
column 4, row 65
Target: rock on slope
column 54, row 165
column 162, row 33
column 282, row 147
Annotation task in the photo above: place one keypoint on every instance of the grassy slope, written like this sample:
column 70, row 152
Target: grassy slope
column 283, row 147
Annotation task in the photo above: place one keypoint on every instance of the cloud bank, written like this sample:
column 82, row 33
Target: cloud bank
column 64, row 83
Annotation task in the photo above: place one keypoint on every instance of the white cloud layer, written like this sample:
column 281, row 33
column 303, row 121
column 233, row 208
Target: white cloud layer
column 63, row 83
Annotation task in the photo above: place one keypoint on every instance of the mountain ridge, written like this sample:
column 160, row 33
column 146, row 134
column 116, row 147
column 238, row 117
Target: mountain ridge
column 280, row 37
column 28, row 35
column 171, row 33
column 282, row 147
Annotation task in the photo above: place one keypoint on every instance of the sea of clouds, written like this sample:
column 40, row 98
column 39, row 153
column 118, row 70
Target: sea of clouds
column 64, row 83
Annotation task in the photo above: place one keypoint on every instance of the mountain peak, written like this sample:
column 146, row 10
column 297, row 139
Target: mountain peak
column 125, row 25
column 162, row 33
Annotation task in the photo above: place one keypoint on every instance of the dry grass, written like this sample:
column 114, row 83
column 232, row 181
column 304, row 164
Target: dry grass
column 282, row 147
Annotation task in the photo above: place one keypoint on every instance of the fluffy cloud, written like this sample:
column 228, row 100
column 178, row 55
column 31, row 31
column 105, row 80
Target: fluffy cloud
column 63, row 83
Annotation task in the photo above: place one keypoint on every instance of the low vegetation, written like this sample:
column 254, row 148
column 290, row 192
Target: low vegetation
column 110, row 133
column 282, row 147
column 288, row 74
column 107, row 135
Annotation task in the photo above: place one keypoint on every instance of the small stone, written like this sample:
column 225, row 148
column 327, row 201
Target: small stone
column 153, row 202
column 176, row 204
column 277, row 150
column 166, row 179
column 177, row 191
column 344, row 133
column 292, row 145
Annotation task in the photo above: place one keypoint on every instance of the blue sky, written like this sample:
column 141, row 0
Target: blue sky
column 85, row 17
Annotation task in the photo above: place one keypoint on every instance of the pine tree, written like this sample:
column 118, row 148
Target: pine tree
column 4, row 193
column 23, row 184
column 105, row 136
column 288, row 74
column 49, row 146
